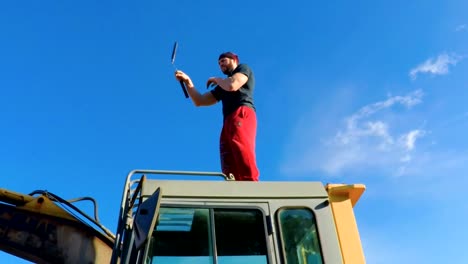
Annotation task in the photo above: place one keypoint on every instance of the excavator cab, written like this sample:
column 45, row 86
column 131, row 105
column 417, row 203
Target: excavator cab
column 201, row 221
column 226, row 221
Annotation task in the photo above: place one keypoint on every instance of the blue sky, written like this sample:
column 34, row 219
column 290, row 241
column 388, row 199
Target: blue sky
column 369, row 92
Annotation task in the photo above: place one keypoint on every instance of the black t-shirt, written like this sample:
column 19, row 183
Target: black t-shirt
column 244, row 96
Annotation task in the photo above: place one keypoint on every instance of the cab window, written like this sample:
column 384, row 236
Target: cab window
column 203, row 235
column 240, row 236
column 181, row 235
column 298, row 235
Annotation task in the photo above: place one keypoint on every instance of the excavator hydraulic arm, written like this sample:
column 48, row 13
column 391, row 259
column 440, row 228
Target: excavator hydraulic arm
column 37, row 229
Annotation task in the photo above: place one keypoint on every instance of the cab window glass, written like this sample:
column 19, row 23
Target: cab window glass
column 240, row 236
column 299, row 239
column 187, row 235
column 182, row 235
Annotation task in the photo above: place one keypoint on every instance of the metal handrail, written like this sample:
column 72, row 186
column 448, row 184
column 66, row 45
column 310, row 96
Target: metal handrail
column 229, row 177
column 125, row 205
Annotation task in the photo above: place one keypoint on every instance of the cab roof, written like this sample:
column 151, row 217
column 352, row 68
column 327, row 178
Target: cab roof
column 234, row 189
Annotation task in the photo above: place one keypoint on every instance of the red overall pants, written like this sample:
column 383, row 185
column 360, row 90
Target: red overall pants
column 237, row 144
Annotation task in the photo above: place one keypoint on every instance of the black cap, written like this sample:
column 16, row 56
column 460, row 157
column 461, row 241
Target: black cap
column 230, row 55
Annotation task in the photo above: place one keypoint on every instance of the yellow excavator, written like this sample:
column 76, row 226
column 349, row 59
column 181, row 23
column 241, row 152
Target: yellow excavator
column 212, row 219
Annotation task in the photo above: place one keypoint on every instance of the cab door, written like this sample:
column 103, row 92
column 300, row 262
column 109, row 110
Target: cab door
column 305, row 231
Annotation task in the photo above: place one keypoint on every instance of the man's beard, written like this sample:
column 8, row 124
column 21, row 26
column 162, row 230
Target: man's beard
column 227, row 71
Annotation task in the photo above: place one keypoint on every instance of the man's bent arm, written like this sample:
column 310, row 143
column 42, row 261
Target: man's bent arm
column 199, row 99
column 233, row 83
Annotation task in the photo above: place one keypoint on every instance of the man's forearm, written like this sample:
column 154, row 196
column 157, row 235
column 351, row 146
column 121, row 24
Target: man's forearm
column 199, row 99
column 232, row 83
column 226, row 84
column 194, row 95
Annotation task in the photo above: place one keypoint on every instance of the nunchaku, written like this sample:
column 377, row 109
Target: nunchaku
column 174, row 51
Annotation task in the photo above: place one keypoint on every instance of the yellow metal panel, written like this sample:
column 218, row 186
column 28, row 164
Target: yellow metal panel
column 342, row 200
column 353, row 191
column 40, row 204
column 43, row 205
column 14, row 197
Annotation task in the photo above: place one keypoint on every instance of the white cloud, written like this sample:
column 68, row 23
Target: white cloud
column 409, row 139
column 375, row 128
column 408, row 143
column 409, row 100
column 373, row 136
column 462, row 27
column 438, row 66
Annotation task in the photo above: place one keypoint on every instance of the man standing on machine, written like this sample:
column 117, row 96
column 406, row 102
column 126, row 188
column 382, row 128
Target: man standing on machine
column 237, row 140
